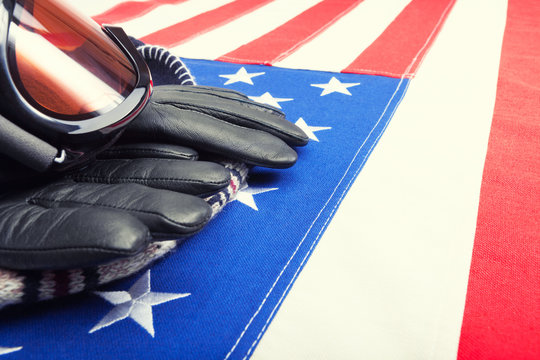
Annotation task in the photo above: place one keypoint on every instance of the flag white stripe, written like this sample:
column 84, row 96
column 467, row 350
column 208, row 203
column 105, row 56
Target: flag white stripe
column 388, row 279
column 231, row 36
column 167, row 15
column 338, row 46
column 95, row 7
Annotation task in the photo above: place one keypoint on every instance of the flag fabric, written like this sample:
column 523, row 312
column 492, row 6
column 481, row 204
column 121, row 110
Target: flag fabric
column 407, row 229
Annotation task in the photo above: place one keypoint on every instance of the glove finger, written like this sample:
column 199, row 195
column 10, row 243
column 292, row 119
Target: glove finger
column 204, row 132
column 34, row 237
column 231, row 107
column 165, row 213
column 149, row 150
column 190, row 177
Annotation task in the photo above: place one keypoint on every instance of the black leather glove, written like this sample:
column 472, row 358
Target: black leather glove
column 138, row 191
column 219, row 121
column 108, row 210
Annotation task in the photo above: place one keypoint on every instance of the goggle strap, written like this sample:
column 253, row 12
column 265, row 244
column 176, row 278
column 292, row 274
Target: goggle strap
column 25, row 148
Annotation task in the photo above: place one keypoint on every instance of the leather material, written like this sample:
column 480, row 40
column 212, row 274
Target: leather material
column 190, row 177
column 34, row 237
column 164, row 212
column 219, row 121
column 149, row 150
column 111, row 208
column 148, row 187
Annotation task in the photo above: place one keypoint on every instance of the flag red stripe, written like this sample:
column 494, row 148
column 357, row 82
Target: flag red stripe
column 130, row 10
column 502, row 311
column 393, row 53
column 284, row 40
column 197, row 25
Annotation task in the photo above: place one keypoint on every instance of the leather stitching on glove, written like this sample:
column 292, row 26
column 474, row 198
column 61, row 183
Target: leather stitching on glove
column 110, row 251
column 197, row 110
column 142, row 180
column 150, row 151
column 37, row 200
column 191, row 106
column 244, row 102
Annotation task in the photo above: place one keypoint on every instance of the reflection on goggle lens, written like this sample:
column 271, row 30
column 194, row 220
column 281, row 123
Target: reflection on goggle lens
column 64, row 64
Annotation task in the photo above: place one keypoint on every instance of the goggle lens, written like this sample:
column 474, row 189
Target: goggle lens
column 66, row 66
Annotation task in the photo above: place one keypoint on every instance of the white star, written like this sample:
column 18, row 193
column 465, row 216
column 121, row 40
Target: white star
column 334, row 85
column 309, row 130
column 268, row 99
column 5, row 350
column 136, row 303
column 241, row 76
column 245, row 195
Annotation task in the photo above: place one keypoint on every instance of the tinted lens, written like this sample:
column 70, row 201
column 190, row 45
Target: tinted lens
column 64, row 64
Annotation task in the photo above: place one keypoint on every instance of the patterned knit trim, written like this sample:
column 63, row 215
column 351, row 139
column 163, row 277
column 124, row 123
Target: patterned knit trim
column 168, row 61
column 239, row 173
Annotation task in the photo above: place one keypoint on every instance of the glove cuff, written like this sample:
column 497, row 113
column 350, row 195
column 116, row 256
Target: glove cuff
column 166, row 68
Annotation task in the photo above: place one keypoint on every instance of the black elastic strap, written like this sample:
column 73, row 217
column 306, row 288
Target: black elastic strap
column 24, row 147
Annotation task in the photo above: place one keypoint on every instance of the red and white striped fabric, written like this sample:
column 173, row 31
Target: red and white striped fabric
column 357, row 36
column 448, row 265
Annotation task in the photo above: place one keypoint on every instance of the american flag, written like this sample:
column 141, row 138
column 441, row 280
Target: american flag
column 409, row 228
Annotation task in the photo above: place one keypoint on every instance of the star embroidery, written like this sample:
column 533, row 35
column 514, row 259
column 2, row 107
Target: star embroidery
column 135, row 303
column 334, row 85
column 245, row 195
column 241, row 76
column 268, row 99
column 309, row 130
column 5, row 350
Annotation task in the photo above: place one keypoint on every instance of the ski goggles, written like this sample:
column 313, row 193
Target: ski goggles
column 68, row 86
